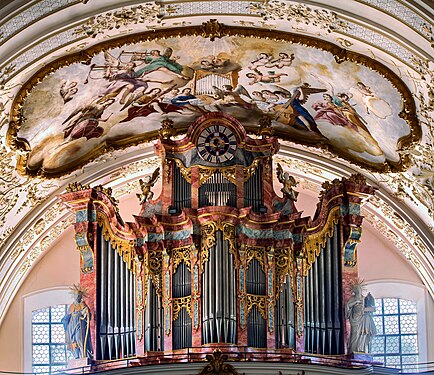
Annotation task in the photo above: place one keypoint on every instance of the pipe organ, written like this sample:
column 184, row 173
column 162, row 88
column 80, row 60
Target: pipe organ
column 218, row 258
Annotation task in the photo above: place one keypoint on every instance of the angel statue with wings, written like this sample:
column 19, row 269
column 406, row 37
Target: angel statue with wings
column 146, row 186
column 288, row 184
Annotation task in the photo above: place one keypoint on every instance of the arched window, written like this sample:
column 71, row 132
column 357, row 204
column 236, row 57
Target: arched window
column 396, row 342
column 49, row 352
column 44, row 338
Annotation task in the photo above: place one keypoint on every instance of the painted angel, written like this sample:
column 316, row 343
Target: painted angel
column 227, row 95
column 293, row 113
column 68, row 90
column 147, row 185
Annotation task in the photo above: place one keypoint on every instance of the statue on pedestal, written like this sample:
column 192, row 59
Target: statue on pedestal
column 359, row 311
column 77, row 326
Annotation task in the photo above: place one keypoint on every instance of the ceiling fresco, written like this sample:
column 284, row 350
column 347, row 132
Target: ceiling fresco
column 310, row 91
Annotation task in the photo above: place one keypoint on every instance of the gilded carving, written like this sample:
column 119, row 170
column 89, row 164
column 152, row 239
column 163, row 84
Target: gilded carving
column 283, row 260
column 205, row 173
column 217, row 365
column 181, row 254
column 186, row 172
column 167, row 129
column 259, row 302
column 255, row 252
column 76, row 186
column 181, row 303
column 155, row 261
column 212, row 29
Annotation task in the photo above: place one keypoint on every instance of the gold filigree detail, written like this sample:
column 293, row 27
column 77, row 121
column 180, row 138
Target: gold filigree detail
column 155, row 266
column 76, row 186
column 217, row 365
column 207, row 232
column 205, row 173
column 255, row 252
column 208, row 238
column 313, row 243
column 229, row 174
column 251, row 169
column 259, row 302
column 180, row 303
column 284, row 258
column 186, row 172
column 181, row 254
column 167, row 129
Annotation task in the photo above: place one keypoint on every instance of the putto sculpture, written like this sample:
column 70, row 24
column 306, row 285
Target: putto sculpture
column 358, row 311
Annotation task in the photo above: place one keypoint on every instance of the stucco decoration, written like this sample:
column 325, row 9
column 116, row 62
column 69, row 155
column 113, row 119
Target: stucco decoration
column 114, row 97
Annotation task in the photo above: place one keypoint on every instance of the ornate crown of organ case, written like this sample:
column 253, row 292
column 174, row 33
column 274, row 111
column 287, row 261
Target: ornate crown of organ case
column 218, row 257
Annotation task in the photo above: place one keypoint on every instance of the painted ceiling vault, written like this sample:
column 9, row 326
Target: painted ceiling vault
column 85, row 85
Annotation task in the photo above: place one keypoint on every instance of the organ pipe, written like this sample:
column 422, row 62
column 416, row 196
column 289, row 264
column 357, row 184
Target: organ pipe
column 323, row 300
column 181, row 287
column 285, row 332
column 219, row 295
column 181, row 190
column 253, row 190
column 116, row 282
column 217, row 190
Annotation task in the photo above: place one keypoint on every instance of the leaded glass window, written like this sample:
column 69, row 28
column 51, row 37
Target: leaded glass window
column 49, row 352
column 395, row 344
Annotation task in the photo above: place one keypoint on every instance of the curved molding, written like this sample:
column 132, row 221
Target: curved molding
column 22, row 250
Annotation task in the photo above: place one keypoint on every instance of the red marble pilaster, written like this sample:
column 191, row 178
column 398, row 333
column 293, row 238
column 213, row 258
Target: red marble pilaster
column 194, row 187
column 239, row 176
column 267, row 183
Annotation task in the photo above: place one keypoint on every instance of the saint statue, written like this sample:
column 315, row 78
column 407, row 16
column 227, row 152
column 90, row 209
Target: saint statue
column 77, row 326
column 359, row 311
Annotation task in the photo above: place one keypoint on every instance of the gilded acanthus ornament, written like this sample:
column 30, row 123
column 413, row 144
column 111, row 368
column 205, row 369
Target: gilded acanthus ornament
column 76, row 186
column 146, row 186
column 167, row 129
column 265, row 129
column 217, row 364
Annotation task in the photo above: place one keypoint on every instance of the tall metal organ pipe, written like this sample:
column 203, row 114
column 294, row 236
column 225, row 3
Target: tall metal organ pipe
column 219, row 295
column 115, row 304
column 323, row 308
column 253, row 190
column 256, row 324
column 285, row 332
column 217, row 190
column 181, row 287
column 181, row 189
